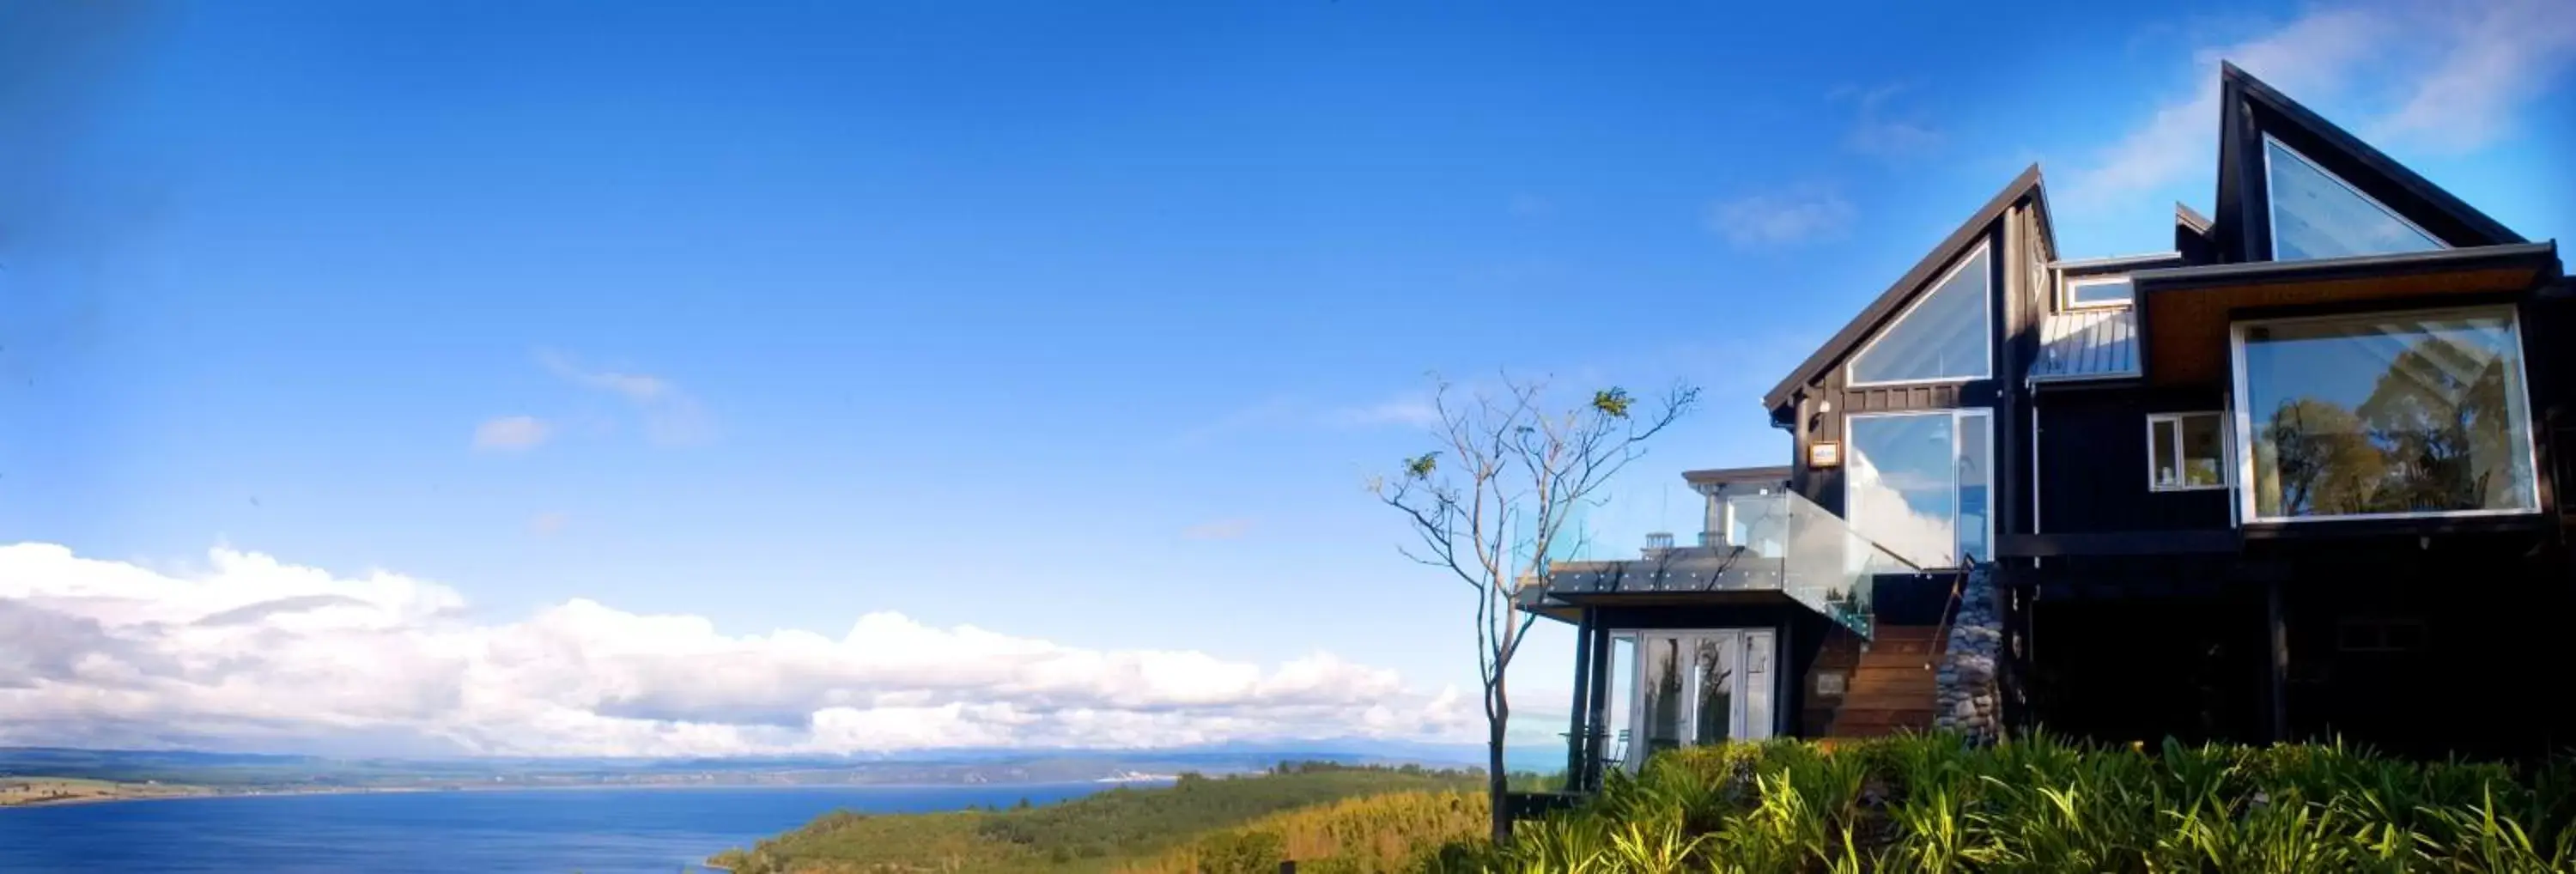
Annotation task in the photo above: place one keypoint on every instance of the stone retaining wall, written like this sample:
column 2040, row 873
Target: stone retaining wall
column 1965, row 686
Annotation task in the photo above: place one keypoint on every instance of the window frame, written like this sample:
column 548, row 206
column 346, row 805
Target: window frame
column 1985, row 306
column 2066, row 286
column 1993, row 486
column 2272, row 205
column 2226, row 450
column 2243, row 402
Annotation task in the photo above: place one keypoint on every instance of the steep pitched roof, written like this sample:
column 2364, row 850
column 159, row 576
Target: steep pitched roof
column 1896, row 296
column 2251, row 108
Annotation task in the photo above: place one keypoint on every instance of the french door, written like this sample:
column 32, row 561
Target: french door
column 1692, row 688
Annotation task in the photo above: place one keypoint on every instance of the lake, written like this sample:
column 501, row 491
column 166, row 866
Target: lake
column 552, row 830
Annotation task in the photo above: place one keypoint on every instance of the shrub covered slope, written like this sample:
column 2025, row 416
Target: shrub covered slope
column 1931, row 804
column 1128, row 826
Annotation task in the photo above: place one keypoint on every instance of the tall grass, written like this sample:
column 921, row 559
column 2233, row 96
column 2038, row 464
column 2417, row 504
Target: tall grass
column 1931, row 803
column 1379, row 834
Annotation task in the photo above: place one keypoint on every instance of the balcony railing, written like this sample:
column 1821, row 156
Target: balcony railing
column 1779, row 542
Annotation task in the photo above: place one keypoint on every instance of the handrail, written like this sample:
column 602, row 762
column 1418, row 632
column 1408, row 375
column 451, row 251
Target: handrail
column 1950, row 610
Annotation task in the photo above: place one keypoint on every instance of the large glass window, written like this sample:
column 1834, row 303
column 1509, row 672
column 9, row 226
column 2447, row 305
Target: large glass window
column 1945, row 335
column 1919, row 484
column 2317, row 215
column 2419, row 413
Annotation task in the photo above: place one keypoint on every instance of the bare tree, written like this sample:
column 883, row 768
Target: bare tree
column 1490, row 501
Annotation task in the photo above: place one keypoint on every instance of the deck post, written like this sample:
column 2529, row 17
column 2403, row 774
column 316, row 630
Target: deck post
column 1578, row 748
column 1599, row 706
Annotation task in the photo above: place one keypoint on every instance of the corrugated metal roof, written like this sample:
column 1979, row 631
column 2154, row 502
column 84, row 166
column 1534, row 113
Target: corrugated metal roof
column 2087, row 344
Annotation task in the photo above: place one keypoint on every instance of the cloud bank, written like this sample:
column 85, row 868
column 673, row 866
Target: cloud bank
column 2442, row 76
column 256, row 654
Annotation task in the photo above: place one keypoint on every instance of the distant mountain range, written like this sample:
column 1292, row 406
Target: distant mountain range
column 256, row 772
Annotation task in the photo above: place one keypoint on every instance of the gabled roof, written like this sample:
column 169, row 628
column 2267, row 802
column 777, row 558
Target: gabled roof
column 2251, row 108
column 2192, row 237
column 1894, row 299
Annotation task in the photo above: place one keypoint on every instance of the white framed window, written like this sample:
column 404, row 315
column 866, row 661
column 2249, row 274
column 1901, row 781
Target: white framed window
column 1921, row 484
column 2409, row 414
column 2095, row 292
column 1945, row 335
column 2186, row 451
column 2316, row 214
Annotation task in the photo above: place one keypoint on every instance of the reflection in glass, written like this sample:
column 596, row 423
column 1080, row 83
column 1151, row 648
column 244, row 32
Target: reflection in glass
column 2099, row 291
column 1758, row 523
column 1619, row 734
column 2167, row 451
column 1661, row 660
column 1945, row 335
column 1973, row 488
column 2390, row 413
column 1902, row 490
column 2187, row 451
column 1714, row 675
column 2315, row 215
column 1757, row 685
column 2202, row 451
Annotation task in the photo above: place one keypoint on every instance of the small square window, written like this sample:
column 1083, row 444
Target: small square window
column 2097, row 291
column 2186, row 451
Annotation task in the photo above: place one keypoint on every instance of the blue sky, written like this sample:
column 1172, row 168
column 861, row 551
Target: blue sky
column 1082, row 323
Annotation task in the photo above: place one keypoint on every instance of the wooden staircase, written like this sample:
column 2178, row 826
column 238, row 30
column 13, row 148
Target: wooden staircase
column 1891, row 688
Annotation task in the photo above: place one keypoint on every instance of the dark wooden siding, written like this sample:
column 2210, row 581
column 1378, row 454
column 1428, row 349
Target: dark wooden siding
column 2093, row 463
column 2549, row 351
column 2032, row 292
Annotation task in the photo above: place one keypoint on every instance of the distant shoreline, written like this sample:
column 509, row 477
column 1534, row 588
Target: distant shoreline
column 407, row 790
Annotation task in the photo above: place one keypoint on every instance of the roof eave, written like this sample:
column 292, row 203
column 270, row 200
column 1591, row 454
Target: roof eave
column 2541, row 256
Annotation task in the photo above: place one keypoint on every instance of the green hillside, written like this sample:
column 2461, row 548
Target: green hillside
column 2042, row 806
column 1123, row 827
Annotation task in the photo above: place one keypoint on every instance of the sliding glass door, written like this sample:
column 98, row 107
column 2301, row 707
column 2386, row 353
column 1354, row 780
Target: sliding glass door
column 1694, row 688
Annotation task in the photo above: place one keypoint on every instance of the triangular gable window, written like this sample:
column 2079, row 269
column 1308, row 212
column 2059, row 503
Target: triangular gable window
column 2315, row 214
column 1945, row 336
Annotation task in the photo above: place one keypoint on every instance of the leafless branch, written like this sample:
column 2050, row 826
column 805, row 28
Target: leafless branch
column 1491, row 500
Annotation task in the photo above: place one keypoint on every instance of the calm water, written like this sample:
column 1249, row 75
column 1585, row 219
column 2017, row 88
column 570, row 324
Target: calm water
column 556, row 830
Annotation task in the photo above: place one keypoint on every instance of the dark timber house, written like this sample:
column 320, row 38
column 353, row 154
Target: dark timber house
column 2300, row 477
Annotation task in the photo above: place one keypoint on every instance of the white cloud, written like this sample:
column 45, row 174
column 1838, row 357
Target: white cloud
column 254, row 653
column 1880, row 131
column 671, row 417
column 1781, row 218
column 2495, row 58
column 2445, row 76
column 512, row 433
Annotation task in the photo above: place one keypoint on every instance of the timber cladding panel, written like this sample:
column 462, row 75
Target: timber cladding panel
column 2186, row 330
column 1898, row 398
column 2093, row 464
